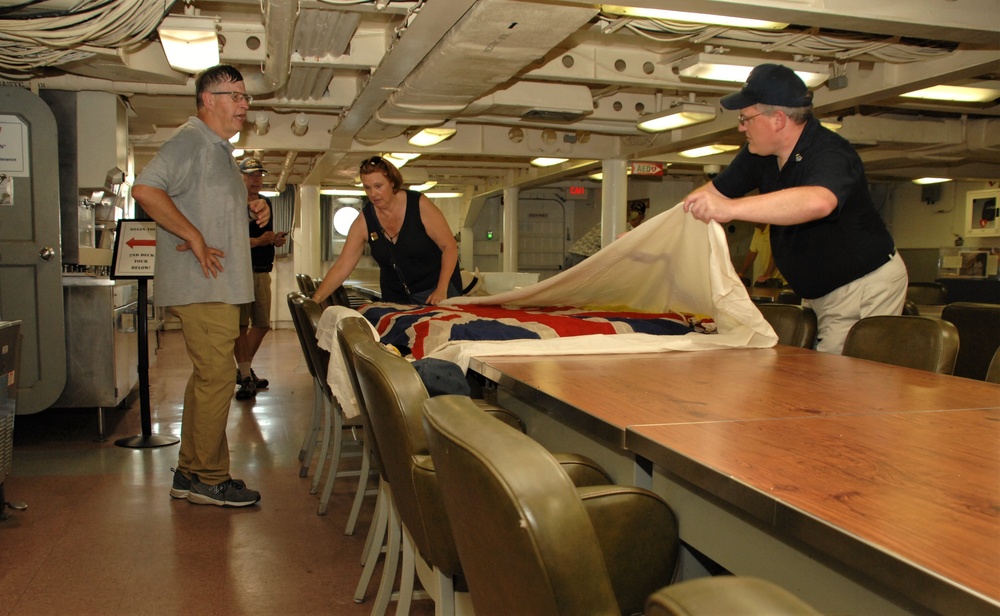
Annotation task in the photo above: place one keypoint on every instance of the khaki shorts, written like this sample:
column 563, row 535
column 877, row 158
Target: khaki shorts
column 258, row 312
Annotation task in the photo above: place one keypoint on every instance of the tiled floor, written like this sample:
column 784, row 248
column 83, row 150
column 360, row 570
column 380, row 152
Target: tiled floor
column 101, row 535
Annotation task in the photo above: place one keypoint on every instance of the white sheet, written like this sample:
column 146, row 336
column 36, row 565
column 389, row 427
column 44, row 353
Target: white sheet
column 670, row 262
column 336, row 374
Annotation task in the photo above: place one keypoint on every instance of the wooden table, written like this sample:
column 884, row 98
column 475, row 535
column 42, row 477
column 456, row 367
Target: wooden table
column 369, row 288
column 862, row 487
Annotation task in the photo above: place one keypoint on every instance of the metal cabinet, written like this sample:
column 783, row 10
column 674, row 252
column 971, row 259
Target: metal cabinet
column 102, row 354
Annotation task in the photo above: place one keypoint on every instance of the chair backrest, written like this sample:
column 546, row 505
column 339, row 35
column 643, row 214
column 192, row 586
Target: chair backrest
column 526, row 542
column 911, row 308
column 351, row 332
column 979, row 327
column 794, row 324
column 340, row 297
column 927, row 293
column 993, row 374
column 305, row 283
column 308, row 313
column 788, row 296
column 293, row 298
column 925, row 343
column 726, row 594
column 394, row 396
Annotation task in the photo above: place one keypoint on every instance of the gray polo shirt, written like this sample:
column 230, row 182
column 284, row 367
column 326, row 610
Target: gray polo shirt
column 197, row 169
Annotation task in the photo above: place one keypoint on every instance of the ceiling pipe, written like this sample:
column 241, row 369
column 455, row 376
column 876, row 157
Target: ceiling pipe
column 286, row 170
column 79, row 83
column 279, row 30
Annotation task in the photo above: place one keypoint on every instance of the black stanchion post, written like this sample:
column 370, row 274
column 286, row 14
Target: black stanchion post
column 147, row 438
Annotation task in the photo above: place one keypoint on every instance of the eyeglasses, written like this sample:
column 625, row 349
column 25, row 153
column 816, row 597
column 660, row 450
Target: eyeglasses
column 743, row 120
column 236, row 96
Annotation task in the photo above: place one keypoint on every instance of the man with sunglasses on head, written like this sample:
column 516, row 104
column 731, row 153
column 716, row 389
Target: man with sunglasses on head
column 194, row 191
column 409, row 238
column 827, row 238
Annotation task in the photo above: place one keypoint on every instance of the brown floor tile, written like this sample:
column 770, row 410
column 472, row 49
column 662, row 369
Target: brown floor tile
column 102, row 536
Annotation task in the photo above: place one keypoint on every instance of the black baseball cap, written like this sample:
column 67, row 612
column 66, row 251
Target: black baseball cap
column 252, row 165
column 770, row 84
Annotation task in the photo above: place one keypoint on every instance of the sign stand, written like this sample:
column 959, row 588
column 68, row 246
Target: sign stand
column 134, row 255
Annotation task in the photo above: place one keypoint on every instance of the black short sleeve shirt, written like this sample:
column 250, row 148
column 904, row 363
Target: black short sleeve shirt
column 818, row 256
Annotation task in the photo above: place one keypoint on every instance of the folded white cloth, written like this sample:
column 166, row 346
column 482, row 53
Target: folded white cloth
column 670, row 262
column 336, row 376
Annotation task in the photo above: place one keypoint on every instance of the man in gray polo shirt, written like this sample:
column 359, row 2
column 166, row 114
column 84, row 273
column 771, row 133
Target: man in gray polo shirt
column 194, row 191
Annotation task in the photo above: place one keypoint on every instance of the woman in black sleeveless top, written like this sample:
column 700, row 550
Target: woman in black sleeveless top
column 409, row 237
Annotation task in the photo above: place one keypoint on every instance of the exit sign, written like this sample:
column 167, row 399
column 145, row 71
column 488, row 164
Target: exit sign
column 576, row 192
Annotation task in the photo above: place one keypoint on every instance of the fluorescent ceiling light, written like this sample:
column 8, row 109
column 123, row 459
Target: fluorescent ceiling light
column 676, row 116
column 957, row 94
column 433, row 135
column 931, row 180
column 444, row 195
column 269, row 193
column 832, row 124
column 735, row 69
column 342, row 192
column 708, row 150
column 544, row 161
column 238, row 152
column 189, row 42
column 429, row 184
column 698, row 18
column 399, row 162
column 404, row 155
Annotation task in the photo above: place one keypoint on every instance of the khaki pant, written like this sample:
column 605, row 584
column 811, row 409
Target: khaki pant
column 210, row 332
column 882, row 292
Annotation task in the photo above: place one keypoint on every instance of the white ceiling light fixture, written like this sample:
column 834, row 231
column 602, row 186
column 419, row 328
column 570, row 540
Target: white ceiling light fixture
column 404, row 155
column 269, row 193
column 987, row 92
column 190, row 42
column 342, row 192
column 546, row 161
column 429, row 184
column 832, row 124
column 444, row 195
column 698, row 18
column 399, row 162
column 433, row 135
column 929, row 180
column 708, row 150
column 736, row 69
column 676, row 116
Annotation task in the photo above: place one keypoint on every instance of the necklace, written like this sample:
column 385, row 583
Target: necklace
column 388, row 218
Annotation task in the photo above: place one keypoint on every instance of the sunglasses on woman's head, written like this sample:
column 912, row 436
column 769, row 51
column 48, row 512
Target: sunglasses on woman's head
column 373, row 163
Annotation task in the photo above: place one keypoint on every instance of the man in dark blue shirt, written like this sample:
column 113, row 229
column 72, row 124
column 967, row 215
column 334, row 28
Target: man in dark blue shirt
column 255, row 317
column 826, row 235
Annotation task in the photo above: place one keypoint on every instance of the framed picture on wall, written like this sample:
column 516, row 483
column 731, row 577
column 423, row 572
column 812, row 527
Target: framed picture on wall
column 981, row 212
